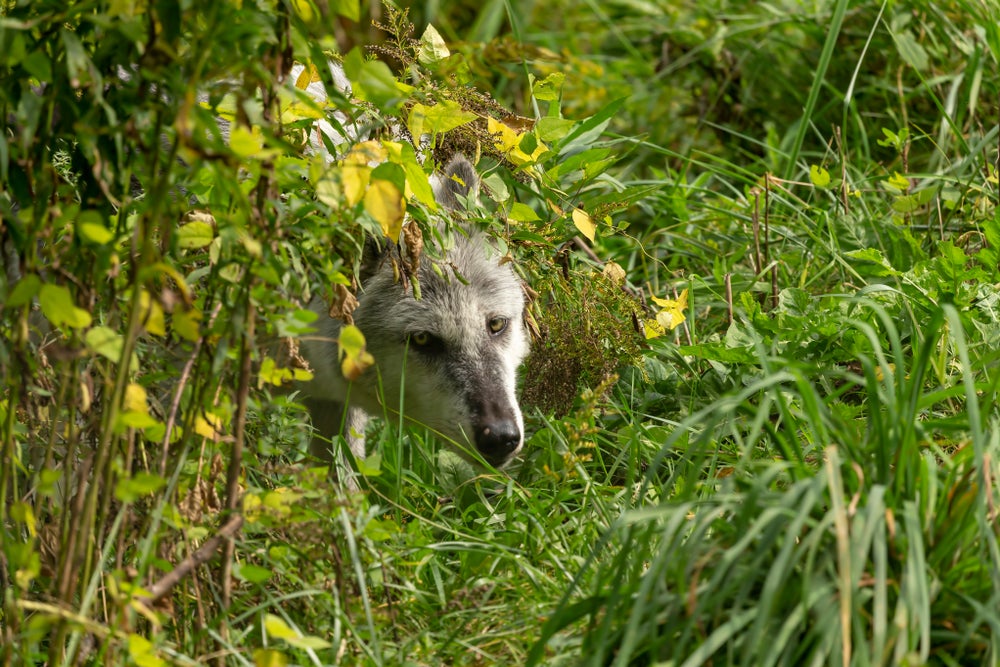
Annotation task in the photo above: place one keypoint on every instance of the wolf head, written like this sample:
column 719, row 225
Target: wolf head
column 448, row 360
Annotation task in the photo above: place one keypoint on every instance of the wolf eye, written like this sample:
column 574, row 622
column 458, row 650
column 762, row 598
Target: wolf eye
column 497, row 325
column 426, row 342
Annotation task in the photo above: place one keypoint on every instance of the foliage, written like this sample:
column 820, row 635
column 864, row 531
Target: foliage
column 798, row 466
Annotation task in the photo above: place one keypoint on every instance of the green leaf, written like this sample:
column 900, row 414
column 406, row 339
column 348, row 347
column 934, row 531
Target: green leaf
column 78, row 63
column 277, row 628
column 24, row 291
column 496, row 187
column 14, row 54
column 184, row 322
column 254, row 574
column 139, row 421
column 373, row 81
column 819, row 176
column 141, row 484
column 522, row 213
column 881, row 268
column 58, row 307
column 106, row 342
column 911, row 51
column 195, row 234
column 548, row 88
column 551, row 128
column 95, row 232
column 432, row 47
column 246, row 142
column 590, row 130
column 38, row 65
column 437, row 119
column 350, row 9
column 370, row 466
column 380, row 530
column 416, row 179
column 910, row 203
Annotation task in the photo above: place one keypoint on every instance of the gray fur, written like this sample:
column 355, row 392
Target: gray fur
column 461, row 385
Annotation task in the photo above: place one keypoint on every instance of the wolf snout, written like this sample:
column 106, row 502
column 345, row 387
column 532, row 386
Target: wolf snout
column 498, row 441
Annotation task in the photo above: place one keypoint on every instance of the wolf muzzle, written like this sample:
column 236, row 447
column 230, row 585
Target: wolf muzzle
column 497, row 434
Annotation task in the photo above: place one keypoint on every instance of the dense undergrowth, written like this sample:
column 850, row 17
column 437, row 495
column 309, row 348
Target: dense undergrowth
column 765, row 244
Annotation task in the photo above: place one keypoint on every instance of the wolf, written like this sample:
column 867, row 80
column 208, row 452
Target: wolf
column 446, row 361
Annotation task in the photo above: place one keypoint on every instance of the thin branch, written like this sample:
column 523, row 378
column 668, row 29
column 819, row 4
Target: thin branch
column 175, row 404
column 236, row 457
column 199, row 557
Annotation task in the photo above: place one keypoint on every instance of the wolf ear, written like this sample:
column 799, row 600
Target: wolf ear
column 459, row 180
column 376, row 251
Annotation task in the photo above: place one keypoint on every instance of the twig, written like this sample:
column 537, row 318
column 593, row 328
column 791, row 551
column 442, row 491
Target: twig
column 175, row 404
column 203, row 554
column 581, row 245
column 587, row 250
column 758, row 260
column 236, row 457
column 767, row 248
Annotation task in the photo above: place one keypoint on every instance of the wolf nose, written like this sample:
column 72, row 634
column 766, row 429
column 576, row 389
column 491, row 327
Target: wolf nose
column 498, row 441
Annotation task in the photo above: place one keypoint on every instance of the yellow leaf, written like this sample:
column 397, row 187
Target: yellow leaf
column 305, row 10
column 819, row 176
column 355, row 178
column 354, row 358
column 208, row 426
column 898, row 182
column 653, row 329
column 367, row 153
column 185, row 323
column 277, row 628
column 584, row 224
column 135, row 399
column 357, row 169
column 269, row 657
column 23, row 514
column 353, row 367
column 330, row 192
column 142, row 652
column 508, row 141
column 307, row 76
column 246, row 142
column 385, row 203
column 669, row 317
column 152, row 315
